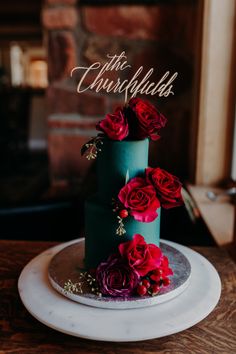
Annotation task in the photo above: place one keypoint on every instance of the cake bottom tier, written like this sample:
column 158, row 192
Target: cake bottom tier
column 101, row 239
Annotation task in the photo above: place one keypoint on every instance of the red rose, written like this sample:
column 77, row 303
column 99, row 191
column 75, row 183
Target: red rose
column 150, row 121
column 140, row 199
column 168, row 187
column 115, row 125
column 141, row 256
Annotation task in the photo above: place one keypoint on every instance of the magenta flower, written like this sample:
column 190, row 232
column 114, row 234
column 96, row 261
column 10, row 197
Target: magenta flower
column 140, row 199
column 116, row 278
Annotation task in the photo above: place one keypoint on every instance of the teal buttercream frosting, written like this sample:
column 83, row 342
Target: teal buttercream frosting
column 115, row 161
column 101, row 238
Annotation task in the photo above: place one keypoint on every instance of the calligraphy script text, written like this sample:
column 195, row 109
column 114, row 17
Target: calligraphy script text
column 130, row 87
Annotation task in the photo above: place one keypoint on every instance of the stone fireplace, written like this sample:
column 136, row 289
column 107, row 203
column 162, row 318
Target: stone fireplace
column 163, row 36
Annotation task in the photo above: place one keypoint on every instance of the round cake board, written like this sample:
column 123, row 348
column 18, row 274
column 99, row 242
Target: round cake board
column 69, row 263
column 64, row 315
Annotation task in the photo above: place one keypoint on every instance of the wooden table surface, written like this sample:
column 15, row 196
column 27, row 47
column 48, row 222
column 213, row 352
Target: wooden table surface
column 21, row 333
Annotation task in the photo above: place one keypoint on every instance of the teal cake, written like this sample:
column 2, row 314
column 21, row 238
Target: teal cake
column 117, row 162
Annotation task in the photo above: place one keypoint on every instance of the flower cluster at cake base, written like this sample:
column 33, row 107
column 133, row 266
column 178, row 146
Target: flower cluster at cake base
column 137, row 269
column 141, row 197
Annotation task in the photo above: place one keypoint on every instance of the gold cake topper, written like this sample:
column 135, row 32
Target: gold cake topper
column 136, row 85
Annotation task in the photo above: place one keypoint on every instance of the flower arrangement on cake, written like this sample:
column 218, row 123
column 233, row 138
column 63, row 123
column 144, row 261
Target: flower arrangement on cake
column 137, row 120
column 137, row 268
column 122, row 255
column 142, row 196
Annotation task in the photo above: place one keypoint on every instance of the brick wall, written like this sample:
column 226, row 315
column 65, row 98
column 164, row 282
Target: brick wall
column 162, row 36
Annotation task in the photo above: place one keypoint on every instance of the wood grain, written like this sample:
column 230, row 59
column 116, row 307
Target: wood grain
column 21, row 333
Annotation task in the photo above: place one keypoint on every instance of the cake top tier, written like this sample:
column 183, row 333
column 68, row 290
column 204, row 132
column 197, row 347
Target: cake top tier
column 137, row 120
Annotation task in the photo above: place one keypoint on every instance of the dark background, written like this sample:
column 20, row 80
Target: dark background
column 42, row 192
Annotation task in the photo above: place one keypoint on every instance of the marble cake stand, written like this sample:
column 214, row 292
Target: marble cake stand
column 64, row 315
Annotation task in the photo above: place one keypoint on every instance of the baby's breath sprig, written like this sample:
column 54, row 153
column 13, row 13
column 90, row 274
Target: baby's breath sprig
column 122, row 213
column 85, row 281
column 71, row 287
column 92, row 147
column 120, row 229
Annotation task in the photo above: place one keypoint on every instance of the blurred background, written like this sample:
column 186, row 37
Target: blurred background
column 44, row 122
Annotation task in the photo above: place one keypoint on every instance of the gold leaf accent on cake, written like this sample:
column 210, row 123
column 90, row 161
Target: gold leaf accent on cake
column 120, row 229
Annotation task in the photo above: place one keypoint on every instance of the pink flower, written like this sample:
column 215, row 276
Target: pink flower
column 147, row 121
column 141, row 256
column 140, row 199
column 116, row 278
column 168, row 187
column 115, row 125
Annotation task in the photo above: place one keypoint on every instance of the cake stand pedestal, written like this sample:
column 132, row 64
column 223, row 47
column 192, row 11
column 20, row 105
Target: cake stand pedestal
column 62, row 314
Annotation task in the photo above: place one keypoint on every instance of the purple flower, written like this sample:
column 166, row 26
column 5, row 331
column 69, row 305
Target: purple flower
column 116, row 278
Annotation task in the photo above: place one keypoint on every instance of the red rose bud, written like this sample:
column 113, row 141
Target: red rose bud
column 123, row 213
column 141, row 290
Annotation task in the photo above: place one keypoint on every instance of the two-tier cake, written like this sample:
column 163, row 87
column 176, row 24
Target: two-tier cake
column 122, row 220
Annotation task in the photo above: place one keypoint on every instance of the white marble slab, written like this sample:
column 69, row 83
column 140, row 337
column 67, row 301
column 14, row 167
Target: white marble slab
column 62, row 314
